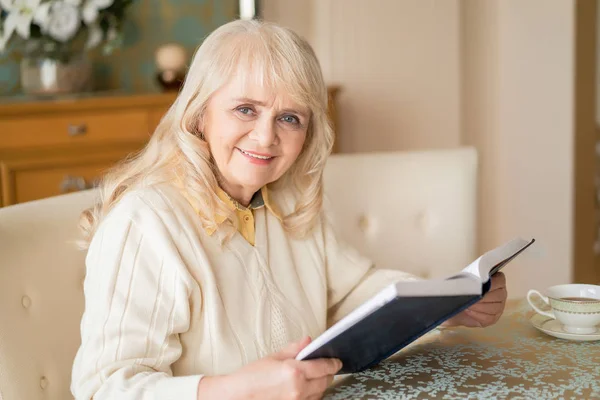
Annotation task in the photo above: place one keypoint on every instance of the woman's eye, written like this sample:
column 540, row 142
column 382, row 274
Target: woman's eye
column 245, row 110
column 290, row 119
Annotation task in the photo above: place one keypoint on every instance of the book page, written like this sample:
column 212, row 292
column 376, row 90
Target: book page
column 461, row 284
column 492, row 261
column 473, row 269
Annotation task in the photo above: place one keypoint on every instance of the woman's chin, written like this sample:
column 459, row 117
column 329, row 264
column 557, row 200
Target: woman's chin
column 252, row 182
column 255, row 177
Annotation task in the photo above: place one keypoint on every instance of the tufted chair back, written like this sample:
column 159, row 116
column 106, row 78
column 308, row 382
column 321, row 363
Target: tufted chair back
column 41, row 296
column 414, row 211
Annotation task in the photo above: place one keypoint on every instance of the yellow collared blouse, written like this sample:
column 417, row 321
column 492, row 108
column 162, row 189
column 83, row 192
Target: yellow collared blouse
column 245, row 215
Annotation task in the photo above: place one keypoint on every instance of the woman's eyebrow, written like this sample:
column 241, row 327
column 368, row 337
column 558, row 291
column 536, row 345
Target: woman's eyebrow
column 251, row 101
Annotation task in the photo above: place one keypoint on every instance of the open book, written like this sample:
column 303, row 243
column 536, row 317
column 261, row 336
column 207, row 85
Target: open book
column 406, row 310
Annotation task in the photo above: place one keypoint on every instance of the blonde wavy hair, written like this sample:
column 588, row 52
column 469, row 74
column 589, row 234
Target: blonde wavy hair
column 275, row 56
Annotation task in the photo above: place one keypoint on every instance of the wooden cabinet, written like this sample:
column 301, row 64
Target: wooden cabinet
column 34, row 174
column 54, row 147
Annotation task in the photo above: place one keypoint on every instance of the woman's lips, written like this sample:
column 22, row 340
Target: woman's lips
column 256, row 158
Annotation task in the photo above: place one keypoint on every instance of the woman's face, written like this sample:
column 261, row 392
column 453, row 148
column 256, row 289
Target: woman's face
column 254, row 135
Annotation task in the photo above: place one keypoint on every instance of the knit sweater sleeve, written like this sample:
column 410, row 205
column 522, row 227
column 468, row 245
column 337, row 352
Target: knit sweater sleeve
column 136, row 305
column 351, row 278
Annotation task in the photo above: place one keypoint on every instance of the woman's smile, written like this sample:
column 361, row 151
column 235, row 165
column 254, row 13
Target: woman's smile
column 257, row 158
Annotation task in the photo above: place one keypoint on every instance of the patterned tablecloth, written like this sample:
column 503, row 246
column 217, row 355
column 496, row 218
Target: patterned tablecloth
column 510, row 359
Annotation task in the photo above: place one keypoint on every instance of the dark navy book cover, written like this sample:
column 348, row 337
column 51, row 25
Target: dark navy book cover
column 391, row 328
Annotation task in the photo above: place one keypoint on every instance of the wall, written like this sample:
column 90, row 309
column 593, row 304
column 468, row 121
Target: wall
column 397, row 62
column 518, row 82
column 151, row 23
column 294, row 14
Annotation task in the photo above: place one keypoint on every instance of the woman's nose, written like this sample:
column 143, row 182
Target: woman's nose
column 265, row 133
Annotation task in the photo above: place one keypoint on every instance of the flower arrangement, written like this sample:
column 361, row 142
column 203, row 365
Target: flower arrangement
column 56, row 28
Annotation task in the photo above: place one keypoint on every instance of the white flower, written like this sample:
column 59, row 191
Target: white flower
column 91, row 7
column 102, row 4
column 62, row 21
column 41, row 15
column 19, row 17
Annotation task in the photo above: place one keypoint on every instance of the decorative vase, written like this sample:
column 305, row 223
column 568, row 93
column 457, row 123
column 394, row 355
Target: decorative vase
column 55, row 71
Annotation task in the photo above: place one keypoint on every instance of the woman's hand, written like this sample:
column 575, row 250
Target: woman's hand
column 488, row 310
column 278, row 376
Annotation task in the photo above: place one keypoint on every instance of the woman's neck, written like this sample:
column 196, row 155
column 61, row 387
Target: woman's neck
column 241, row 194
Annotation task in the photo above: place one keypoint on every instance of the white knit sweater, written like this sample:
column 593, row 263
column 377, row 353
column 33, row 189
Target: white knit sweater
column 166, row 304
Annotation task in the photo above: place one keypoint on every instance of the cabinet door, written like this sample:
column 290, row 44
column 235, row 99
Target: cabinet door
column 36, row 175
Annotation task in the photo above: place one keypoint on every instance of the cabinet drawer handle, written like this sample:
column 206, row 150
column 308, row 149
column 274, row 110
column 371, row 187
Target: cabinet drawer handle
column 77, row 129
column 74, row 183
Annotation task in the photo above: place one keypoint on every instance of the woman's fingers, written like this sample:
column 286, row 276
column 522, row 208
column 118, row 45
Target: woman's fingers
column 497, row 296
column 488, row 308
column 498, row 281
column 320, row 367
column 482, row 318
column 468, row 321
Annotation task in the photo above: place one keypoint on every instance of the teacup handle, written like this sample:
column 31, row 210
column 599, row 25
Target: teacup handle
column 544, row 299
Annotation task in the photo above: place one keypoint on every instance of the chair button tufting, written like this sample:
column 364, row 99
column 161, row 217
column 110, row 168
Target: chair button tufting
column 425, row 275
column 43, row 382
column 26, row 301
column 426, row 221
column 363, row 223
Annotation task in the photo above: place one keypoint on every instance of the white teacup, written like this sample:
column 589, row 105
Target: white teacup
column 575, row 306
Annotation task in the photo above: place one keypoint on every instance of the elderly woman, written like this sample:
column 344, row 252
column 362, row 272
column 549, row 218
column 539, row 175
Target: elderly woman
column 210, row 262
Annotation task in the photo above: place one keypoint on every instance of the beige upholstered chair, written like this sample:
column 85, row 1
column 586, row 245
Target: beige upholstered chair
column 41, row 296
column 414, row 211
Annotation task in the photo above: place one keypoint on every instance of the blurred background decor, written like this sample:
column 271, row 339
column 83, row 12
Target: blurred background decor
column 147, row 25
column 53, row 38
column 171, row 65
column 152, row 24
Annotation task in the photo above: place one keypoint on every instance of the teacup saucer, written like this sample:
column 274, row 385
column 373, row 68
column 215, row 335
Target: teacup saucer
column 554, row 328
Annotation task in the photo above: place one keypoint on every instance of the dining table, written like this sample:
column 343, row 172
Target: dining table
column 508, row 360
